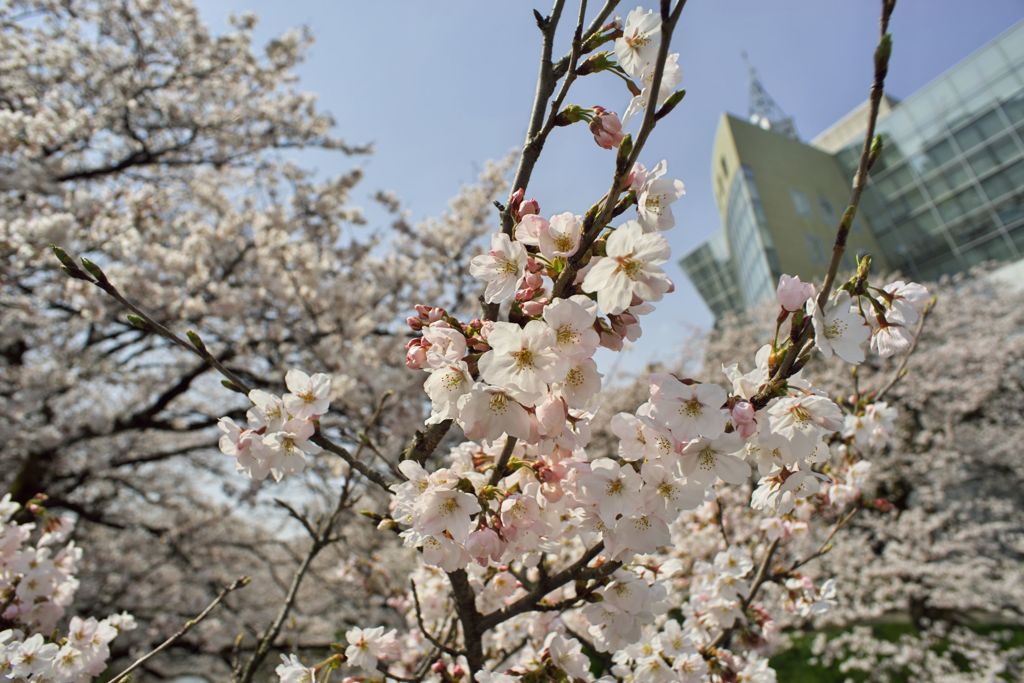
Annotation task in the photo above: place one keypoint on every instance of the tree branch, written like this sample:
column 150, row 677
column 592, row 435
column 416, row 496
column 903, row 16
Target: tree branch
column 189, row 625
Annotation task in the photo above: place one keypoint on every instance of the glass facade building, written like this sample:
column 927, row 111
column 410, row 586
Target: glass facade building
column 747, row 232
column 710, row 270
column 948, row 190
column 946, row 194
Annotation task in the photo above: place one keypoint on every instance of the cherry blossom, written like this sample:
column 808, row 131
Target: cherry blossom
column 637, row 47
column 792, row 293
column 631, row 267
column 521, row 358
column 501, row 268
column 839, row 330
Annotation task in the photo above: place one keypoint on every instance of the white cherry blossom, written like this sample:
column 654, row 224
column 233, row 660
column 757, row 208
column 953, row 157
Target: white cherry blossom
column 631, row 267
column 501, row 268
column 840, row 329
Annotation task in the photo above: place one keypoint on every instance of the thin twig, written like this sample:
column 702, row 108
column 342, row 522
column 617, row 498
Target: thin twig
column 423, row 627
column 760, row 578
column 545, row 88
column 597, row 216
column 720, row 519
column 189, row 625
column 195, row 346
column 901, row 370
column 825, row 546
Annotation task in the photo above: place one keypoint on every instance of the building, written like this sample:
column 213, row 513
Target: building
column 946, row 194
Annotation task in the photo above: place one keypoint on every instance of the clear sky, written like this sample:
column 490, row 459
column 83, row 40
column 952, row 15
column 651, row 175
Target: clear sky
column 440, row 87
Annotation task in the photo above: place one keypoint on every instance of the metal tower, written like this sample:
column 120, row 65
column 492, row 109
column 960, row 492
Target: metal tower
column 764, row 111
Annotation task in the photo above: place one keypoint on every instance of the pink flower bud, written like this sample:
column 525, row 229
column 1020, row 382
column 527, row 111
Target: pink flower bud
column 415, row 358
column 529, row 208
column 535, row 307
column 484, row 544
column 485, row 329
column 438, row 667
column 632, row 181
column 792, row 293
column 743, row 419
column 882, row 505
column 422, row 309
column 435, row 314
column 533, row 281
column 610, row 340
column 607, row 128
column 618, row 325
column 415, row 323
column 524, row 294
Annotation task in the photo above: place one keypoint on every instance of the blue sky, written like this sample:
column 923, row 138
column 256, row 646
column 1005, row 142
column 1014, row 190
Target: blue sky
column 440, row 87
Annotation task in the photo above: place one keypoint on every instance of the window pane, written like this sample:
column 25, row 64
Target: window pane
column 800, row 202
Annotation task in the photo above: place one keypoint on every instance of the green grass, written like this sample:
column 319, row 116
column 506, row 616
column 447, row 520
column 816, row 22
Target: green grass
column 792, row 665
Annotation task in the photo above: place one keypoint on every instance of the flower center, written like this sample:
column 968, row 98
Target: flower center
column 563, row 243
column 637, row 41
column 653, row 204
column 800, row 414
column 523, row 359
column 574, row 377
column 706, row 459
column 835, row 329
column 629, row 266
column 499, row 404
column 691, row 408
column 566, row 334
column 507, row 267
column 453, row 379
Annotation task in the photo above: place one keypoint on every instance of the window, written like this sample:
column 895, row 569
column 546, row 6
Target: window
column 815, row 248
column 826, row 209
column 800, row 203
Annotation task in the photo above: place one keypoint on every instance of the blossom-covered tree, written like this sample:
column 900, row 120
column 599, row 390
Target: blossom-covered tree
column 132, row 134
column 675, row 546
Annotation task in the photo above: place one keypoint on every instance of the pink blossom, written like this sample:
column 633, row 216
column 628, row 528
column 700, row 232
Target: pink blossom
column 792, row 293
column 484, row 544
column 742, row 414
column 606, row 127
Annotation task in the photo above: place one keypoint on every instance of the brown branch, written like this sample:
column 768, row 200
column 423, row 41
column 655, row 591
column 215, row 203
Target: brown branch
column 423, row 627
column 506, row 454
column 577, row 570
column 545, row 88
column 825, row 546
column 869, row 154
column 760, row 578
column 599, row 214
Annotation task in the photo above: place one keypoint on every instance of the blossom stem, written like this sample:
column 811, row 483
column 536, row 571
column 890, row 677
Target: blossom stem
column 869, row 153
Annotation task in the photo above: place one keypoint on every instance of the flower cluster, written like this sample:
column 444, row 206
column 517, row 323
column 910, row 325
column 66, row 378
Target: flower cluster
column 523, row 495
column 37, row 584
column 277, row 438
